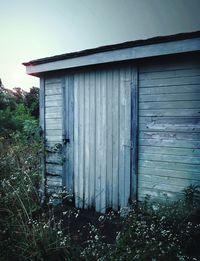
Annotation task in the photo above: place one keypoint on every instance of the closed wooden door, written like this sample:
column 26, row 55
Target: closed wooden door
column 103, row 140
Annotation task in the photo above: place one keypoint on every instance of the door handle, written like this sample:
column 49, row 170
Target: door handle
column 66, row 140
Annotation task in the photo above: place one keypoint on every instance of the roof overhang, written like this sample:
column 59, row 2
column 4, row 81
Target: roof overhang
column 166, row 45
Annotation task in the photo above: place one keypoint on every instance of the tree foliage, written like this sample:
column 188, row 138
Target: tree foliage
column 16, row 107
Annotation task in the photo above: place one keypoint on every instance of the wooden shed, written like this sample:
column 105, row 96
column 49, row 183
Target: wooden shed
column 122, row 121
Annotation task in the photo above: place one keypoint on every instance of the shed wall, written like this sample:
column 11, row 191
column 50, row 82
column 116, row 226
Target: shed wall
column 169, row 125
column 100, row 150
column 53, row 132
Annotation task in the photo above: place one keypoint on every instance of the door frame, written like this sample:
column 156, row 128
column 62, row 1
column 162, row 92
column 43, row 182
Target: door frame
column 68, row 132
column 134, row 133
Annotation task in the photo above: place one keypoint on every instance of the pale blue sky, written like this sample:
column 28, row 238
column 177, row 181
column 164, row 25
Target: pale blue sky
column 40, row 28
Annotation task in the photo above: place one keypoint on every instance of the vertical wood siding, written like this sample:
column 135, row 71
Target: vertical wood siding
column 102, row 140
column 169, row 126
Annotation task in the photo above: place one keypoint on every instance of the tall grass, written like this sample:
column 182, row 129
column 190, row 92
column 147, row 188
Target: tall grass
column 29, row 231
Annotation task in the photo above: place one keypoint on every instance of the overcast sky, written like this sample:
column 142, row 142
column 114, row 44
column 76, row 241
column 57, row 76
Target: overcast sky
column 40, row 28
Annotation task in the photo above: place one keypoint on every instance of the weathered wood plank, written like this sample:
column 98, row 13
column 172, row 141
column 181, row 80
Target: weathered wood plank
column 160, row 187
column 170, row 97
column 53, row 125
column 52, row 80
column 54, row 181
column 98, row 143
column 122, row 137
column 92, row 138
column 170, row 81
column 53, row 115
column 103, row 141
column 181, row 89
column 54, row 103
column 134, row 132
column 87, row 138
column 170, row 158
column 76, row 140
column 52, row 138
column 54, row 90
column 54, row 110
column 185, row 124
column 127, row 140
column 171, row 112
column 156, row 181
column 169, row 105
column 65, row 116
column 115, row 140
column 56, row 97
column 164, row 183
column 170, row 74
column 168, row 165
column 54, row 169
column 170, row 151
column 81, row 139
column 70, row 145
column 159, row 64
column 109, row 127
column 54, row 157
column 170, row 135
column 157, row 171
column 53, row 132
column 170, row 143
column 157, row 194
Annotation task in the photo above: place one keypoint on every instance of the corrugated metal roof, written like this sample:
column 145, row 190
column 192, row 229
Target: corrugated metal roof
column 154, row 40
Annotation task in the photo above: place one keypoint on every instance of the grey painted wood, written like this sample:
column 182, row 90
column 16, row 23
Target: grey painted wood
column 137, row 52
column 65, row 116
column 115, row 141
column 173, row 73
column 171, row 97
column 184, row 80
column 160, row 64
column 169, row 105
column 87, row 143
column 81, row 139
column 53, row 133
column 55, row 97
column 68, row 132
column 134, row 134
column 104, row 142
column 70, row 145
column 157, row 171
column 170, row 151
column 54, row 169
column 111, row 106
column 171, row 112
column 76, row 139
column 102, row 137
column 92, row 139
column 98, row 142
column 173, row 89
column 176, row 124
column 169, row 124
column 170, row 143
